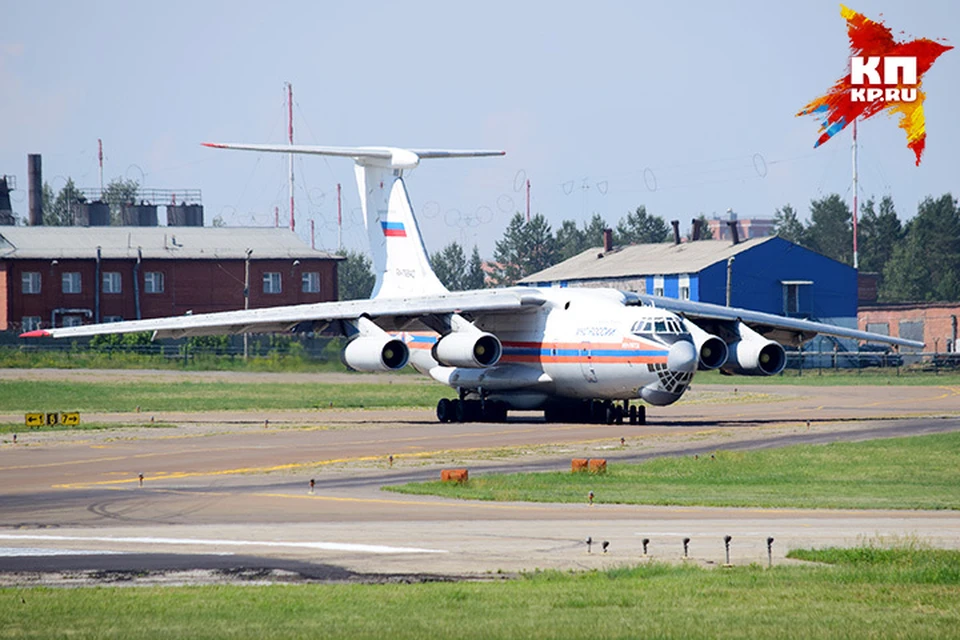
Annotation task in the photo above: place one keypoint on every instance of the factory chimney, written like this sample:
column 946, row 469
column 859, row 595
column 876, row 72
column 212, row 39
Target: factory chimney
column 733, row 231
column 35, row 189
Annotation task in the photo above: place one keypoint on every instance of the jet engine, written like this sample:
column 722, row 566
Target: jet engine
column 468, row 349
column 712, row 352
column 754, row 355
column 374, row 354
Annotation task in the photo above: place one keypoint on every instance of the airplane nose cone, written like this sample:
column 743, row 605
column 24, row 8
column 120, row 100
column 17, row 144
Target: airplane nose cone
column 682, row 357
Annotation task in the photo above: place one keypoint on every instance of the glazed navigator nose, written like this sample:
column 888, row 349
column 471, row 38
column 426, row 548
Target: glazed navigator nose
column 682, row 357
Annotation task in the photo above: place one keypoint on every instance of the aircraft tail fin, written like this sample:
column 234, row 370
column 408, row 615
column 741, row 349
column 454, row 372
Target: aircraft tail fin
column 400, row 260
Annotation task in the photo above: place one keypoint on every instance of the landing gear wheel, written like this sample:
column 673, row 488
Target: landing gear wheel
column 641, row 415
column 609, row 414
column 633, row 414
column 444, row 410
column 460, row 410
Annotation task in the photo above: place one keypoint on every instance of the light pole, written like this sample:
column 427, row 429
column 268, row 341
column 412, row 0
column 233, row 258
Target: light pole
column 246, row 299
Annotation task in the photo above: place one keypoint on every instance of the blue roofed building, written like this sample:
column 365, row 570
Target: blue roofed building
column 765, row 274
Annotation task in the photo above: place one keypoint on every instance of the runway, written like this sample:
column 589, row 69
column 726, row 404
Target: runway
column 223, row 492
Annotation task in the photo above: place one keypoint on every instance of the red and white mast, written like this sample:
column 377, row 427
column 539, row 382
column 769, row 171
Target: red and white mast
column 290, row 132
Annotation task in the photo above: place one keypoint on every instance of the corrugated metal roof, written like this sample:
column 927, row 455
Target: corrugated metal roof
column 643, row 260
column 185, row 243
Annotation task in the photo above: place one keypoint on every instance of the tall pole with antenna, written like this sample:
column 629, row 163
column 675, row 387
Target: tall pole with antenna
column 339, row 220
column 856, row 261
column 290, row 132
column 528, row 200
column 100, row 158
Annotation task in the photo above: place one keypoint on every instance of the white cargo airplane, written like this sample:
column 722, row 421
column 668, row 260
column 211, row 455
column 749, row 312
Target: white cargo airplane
column 577, row 354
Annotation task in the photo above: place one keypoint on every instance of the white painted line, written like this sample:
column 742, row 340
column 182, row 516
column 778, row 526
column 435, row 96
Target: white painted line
column 323, row 546
column 16, row 552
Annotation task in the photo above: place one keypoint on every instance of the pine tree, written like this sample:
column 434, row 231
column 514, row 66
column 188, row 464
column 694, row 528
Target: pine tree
column 640, row 227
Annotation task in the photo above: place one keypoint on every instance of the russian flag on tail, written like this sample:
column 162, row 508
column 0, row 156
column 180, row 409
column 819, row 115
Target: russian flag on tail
column 393, row 229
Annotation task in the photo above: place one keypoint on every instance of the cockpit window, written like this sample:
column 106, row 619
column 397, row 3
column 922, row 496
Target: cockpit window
column 657, row 325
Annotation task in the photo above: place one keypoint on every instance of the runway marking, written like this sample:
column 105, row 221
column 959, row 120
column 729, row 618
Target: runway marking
column 323, row 546
column 18, row 552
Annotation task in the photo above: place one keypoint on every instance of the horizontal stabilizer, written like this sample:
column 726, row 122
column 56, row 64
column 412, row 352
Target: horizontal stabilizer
column 393, row 157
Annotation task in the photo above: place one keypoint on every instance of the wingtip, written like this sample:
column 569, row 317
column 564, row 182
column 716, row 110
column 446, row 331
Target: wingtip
column 214, row 145
column 38, row 333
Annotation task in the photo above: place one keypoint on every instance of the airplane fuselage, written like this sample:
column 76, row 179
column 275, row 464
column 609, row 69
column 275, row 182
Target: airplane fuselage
column 582, row 343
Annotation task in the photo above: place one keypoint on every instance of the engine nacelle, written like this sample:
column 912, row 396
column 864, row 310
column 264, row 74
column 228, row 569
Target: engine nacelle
column 375, row 353
column 712, row 352
column 468, row 349
column 754, row 355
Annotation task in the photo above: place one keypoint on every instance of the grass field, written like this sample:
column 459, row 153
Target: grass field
column 44, row 395
column 842, row 377
column 905, row 593
column 921, row 472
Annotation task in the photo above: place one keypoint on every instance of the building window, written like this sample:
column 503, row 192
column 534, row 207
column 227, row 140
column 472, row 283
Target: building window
column 271, row 282
column 153, row 282
column 111, row 282
column 72, row 321
column 71, row 282
column 113, row 318
column 30, row 323
column 684, row 293
column 658, row 287
column 796, row 297
column 30, row 281
column 311, row 282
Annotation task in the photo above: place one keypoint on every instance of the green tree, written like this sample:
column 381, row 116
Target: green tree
column 355, row 278
column 925, row 266
column 878, row 234
column 118, row 193
column 60, row 211
column 788, row 226
column 526, row 247
column 450, row 265
column 640, row 227
column 573, row 240
column 830, row 231
column 476, row 277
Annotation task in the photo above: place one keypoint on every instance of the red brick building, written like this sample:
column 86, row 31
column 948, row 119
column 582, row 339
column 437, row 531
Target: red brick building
column 935, row 323
column 64, row 276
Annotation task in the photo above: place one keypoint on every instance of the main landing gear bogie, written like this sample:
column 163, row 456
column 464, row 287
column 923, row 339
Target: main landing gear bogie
column 464, row 410
column 595, row 412
column 587, row 411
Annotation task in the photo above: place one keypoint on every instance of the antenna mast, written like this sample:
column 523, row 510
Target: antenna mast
column 339, row 220
column 290, row 132
column 528, row 200
column 856, row 261
column 100, row 157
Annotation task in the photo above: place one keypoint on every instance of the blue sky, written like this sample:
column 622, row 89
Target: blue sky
column 603, row 106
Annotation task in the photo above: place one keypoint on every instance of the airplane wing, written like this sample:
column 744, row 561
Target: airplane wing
column 391, row 313
column 789, row 331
